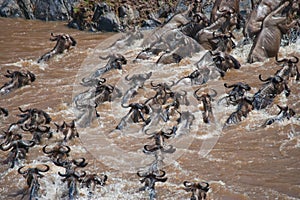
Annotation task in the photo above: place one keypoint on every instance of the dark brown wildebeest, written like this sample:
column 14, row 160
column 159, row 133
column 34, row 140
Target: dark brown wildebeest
column 64, row 42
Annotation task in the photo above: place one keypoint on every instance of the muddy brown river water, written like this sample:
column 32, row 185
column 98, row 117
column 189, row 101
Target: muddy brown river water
column 243, row 161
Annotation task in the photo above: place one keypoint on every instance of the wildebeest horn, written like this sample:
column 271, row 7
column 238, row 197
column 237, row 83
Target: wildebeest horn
column 43, row 170
column 30, row 144
column 266, row 80
column 81, row 163
column 214, row 94
column 22, row 172
column 68, row 149
column 160, row 174
column 195, row 93
column 23, row 111
column 44, row 150
column 158, row 85
column 229, row 86
column 283, row 60
column 7, row 147
column 63, row 175
column 188, row 184
column 296, row 61
column 205, row 188
column 280, row 107
column 128, row 79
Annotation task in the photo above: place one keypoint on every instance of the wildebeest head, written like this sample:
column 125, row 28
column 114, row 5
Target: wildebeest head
column 32, row 173
column 197, row 188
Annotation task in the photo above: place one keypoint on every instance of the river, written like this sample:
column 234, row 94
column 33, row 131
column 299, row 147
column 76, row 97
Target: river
column 243, row 161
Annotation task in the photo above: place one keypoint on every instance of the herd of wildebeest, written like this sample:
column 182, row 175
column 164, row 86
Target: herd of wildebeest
column 266, row 26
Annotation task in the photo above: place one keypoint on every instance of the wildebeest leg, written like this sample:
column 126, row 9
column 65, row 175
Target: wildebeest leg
column 123, row 121
column 8, row 87
column 46, row 56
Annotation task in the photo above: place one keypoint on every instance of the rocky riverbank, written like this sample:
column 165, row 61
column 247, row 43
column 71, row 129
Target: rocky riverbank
column 96, row 15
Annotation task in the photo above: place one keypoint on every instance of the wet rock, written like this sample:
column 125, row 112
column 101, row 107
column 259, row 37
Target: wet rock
column 41, row 9
column 10, row 8
column 53, row 10
column 108, row 22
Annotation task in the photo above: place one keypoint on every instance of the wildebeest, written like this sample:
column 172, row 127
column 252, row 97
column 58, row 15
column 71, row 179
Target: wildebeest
column 284, row 113
column 115, row 62
column 272, row 87
column 59, row 151
column 199, row 191
column 289, row 68
column 221, row 6
column 32, row 176
column 64, row 42
column 19, row 149
column 38, row 132
column 267, row 42
column 149, row 179
column 18, row 79
column 237, row 92
column 258, row 14
column 33, row 117
column 92, row 180
column 243, row 109
column 137, row 113
column 159, row 142
column 68, row 130
column 224, row 61
column 206, row 100
column 72, row 178
column 136, row 81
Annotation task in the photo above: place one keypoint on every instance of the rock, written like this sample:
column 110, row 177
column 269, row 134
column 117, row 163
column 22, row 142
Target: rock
column 105, row 19
column 37, row 9
column 53, row 10
column 9, row 8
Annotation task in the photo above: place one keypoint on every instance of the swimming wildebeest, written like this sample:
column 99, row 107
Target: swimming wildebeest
column 64, row 42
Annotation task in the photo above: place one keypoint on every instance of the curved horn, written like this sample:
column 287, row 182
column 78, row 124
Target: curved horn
column 205, row 188
column 245, row 86
column 68, row 149
column 140, row 174
column 20, row 170
column 23, row 111
column 128, row 79
column 155, row 86
column 279, row 61
column 296, row 61
column 266, row 80
column 43, row 170
column 44, row 150
column 195, row 94
column 230, row 86
column 161, row 174
column 63, row 175
column 81, row 163
column 7, row 147
column 214, row 94
column 188, row 184
column 30, row 144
